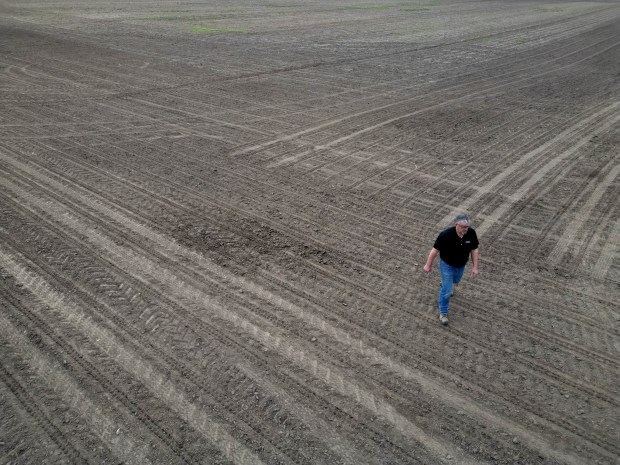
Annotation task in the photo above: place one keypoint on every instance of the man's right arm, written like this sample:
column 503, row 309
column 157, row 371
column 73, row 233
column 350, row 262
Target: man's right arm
column 429, row 261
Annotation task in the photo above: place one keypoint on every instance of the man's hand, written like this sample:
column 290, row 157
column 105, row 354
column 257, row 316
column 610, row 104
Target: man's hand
column 474, row 272
column 427, row 268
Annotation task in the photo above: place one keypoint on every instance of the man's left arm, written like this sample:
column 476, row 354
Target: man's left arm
column 474, row 260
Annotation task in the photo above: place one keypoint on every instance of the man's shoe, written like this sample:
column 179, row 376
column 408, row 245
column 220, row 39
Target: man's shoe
column 443, row 319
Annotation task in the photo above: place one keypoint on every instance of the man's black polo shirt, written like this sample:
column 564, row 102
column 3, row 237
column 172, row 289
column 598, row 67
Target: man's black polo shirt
column 453, row 249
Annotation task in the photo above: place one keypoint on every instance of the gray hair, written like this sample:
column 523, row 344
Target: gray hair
column 462, row 219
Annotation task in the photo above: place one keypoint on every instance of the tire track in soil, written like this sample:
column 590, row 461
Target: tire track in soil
column 319, row 303
column 85, row 80
column 502, row 239
column 372, row 175
column 185, row 371
column 76, row 37
column 383, row 303
column 178, row 289
column 595, row 247
column 395, row 164
column 16, row 424
column 608, row 252
column 82, row 177
column 174, row 110
column 379, row 142
column 568, row 239
column 439, row 76
column 40, row 417
column 351, row 283
column 154, row 380
column 66, row 388
column 587, row 192
column 186, row 374
column 376, row 195
column 525, row 76
column 75, row 358
column 487, row 171
column 558, row 32
column 531, row 188
column 589, row 126
column 533, row 160
column 312, row 225
column 576, row 194
column 342, row 212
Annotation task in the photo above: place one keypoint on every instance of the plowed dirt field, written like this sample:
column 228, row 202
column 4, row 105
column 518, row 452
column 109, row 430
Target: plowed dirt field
column 214, row 217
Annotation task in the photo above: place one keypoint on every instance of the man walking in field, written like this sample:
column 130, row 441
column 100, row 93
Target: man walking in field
column 454, row 245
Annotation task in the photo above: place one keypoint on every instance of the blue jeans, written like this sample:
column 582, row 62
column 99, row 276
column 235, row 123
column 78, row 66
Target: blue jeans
column 449, row 276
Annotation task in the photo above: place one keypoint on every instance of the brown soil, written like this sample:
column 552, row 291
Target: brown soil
column 214, row 218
